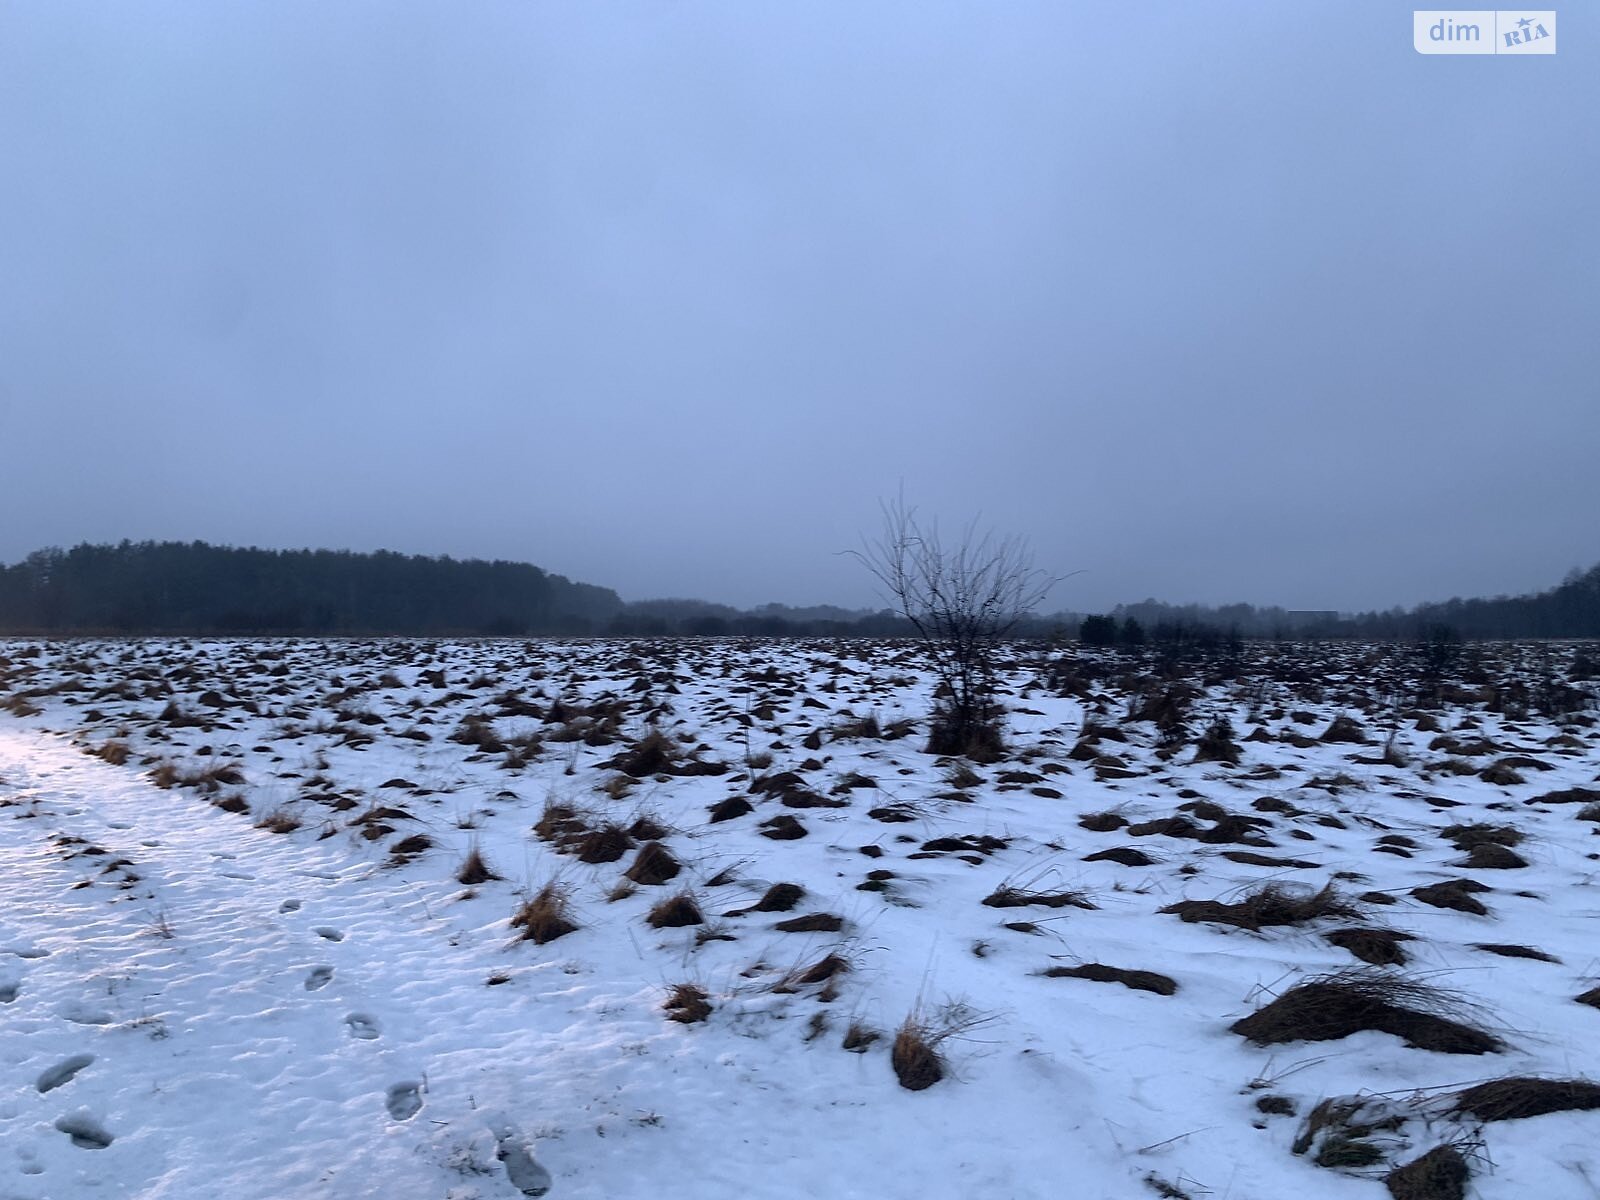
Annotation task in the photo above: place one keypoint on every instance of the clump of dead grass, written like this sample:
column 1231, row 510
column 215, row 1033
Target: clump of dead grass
column 687, row 1003
column 546, row 915
column 676, row 912
column 279, row 820
column 1378, row 947
column 1330, row 1007
column 1139, row 981
column 474, row 868
column 1274, row 904
column 653, row 865
column 1440, row 1174
column 114, row 752
column 916, row 1053
column 1520, row 1096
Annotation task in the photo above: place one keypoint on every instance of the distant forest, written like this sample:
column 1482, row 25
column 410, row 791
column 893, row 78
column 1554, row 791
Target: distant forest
column 196, row 588
column 192, row 587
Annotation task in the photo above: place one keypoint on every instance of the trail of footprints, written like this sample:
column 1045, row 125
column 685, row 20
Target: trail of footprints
column 402, row 1100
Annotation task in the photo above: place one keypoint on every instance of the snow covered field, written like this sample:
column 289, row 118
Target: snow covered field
column 238, row 957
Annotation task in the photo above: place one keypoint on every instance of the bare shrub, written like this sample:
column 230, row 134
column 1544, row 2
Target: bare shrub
column 963, row 601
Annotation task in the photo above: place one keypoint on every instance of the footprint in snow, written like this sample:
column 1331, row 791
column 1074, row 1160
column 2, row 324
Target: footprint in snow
column 289, row 906
column 522, row 1169
column 245, row 875
column 319, row 978
column 85, row 1132
column 26, row 952
column 329, row 932
column 82, row 1014
column 363, row 1025
column 9, row 989
column 404, row 1101
column 63, row 1072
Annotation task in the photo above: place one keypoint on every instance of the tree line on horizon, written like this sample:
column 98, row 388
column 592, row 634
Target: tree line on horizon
column 194, row 588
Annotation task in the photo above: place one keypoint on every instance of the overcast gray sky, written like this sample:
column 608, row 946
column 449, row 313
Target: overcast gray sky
column 1213, row 300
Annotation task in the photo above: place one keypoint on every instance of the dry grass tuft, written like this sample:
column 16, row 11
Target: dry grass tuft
column 1335, row 1006
column 1507, row 950
column 1455, row 894
column 1440, row 1174
column 653, row 866
column 114, row 752
column 1102, row 822
column 811, row 923
column 687, row 1004
column 1007, row 896
column 1489, row 857
column 1274, row 904
column 727, row 810
column 915, row 1056
column 409, row 847
column 858, row 1037
column 676, row 912
column 780, row 897
column 559, row 822
column 1127, row 856
column 545, row 916
column 1379, row 947
column 1520, row 1096
column 1217, row 744
column 824, row 969
column 474, row 868
column 653, row 754
column 606, row 844
column 1339, row 1128
column 1465, row 837
column 1139, row 981
column 279, row 820
column 1345, row 729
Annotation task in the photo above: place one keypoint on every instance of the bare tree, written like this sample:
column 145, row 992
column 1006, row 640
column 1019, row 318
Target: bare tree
column 963, row 600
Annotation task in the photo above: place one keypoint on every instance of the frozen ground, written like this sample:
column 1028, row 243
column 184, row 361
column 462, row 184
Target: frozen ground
column 236, row 959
